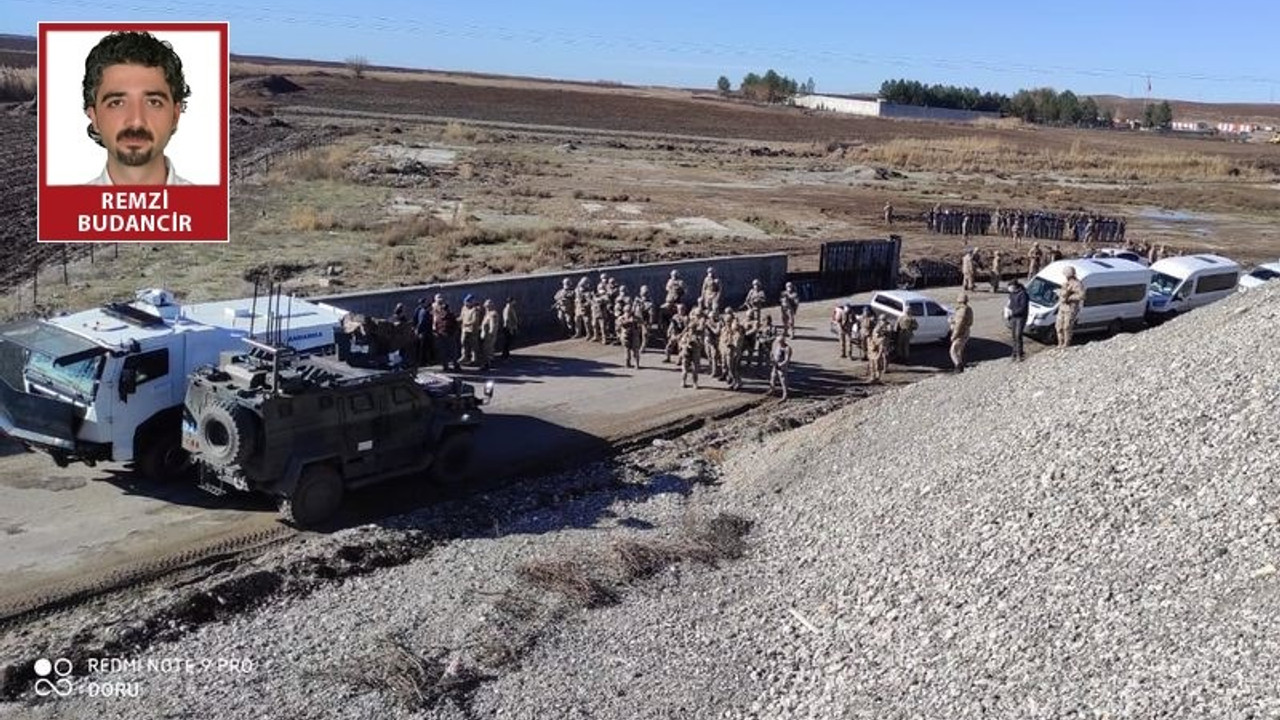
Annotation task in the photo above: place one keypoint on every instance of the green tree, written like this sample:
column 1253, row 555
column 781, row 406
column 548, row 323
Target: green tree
column 723, row 85
column 1162, row 116
column 1089, row 112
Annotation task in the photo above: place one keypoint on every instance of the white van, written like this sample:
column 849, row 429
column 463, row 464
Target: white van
column 1179, row 284
column 1115, row 296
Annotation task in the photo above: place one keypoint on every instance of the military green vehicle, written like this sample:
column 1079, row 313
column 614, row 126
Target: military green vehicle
column 307, row 429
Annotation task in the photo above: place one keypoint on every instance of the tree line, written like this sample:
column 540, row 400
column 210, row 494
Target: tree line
column 770, row 87
column 1044, row 105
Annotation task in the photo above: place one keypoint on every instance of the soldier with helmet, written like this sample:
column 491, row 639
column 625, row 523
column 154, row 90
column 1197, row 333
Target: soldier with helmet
column 563, row 304
column 1070, row 298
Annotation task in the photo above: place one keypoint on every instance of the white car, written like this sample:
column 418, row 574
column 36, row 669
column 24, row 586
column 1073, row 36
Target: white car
column 932, row 316
column 1122, row 254
column 1260, row 275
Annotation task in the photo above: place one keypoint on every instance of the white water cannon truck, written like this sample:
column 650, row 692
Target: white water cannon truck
column 108, row 384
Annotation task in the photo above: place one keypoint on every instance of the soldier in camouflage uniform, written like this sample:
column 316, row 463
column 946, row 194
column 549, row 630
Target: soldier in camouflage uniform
column 755, row 297
column 878, row 352
column 780, row 363
column 846, row 324
column 600, row 317
column 733, row 339
column 675, row 328
column 675, row 289
column 789, row 305
column 690, row 349
column 710, row 299
column 1035, row 259
column 629, row 336
column 582, row 327
column 564, row 306
column 644, row 310
column 866, row 323
column 907, row 325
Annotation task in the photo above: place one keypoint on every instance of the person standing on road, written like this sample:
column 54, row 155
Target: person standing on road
column 888, row 214
column 1016, row 313
column 629, row 336
column 690, row 353
column 562, row 303
column 907, row 325
column 866, row 323
column 961, row 322
column 789, row 304
column 422, row 332
column 878, row 352
column 470, row 319
column 780, row 358
column 490, row 326
column 710, row 299
column 675, row 329
column 966, row 269
column 846, row 322
column 755, row 299
column 995, row 272
column 444, row 330
column 1070, row 298
column 510, row 327
column 675, row 289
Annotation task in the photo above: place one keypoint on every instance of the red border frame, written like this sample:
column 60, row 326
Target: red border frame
column 222, row 27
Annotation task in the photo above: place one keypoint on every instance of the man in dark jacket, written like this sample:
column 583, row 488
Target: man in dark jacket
column 1016, row 312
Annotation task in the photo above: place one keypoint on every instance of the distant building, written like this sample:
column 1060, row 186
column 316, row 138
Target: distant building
column 1231, row 128
column 1192, row 126
column 872, row 106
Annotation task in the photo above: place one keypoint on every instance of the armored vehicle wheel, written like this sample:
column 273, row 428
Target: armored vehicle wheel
column 316, row 498
column 452, row 466
column 225, row 433
column 164, row 460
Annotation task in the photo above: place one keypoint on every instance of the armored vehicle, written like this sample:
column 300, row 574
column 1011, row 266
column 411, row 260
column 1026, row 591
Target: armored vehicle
column 107, row 384
column 308, row 428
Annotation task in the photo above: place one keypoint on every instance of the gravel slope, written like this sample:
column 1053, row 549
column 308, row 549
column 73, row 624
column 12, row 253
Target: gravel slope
column 1091, row 533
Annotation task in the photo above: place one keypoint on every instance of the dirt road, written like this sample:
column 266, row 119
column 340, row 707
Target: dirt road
column 556, row 405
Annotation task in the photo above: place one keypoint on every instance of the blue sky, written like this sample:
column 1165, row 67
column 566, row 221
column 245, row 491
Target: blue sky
column 1212, row 52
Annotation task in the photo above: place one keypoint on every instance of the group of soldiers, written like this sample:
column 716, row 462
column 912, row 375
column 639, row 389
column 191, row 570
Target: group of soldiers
column 705, row 328
column 1081, row 227
column 477, row 334
column 1018, row 224
column 878, row 339
column 1037, row 257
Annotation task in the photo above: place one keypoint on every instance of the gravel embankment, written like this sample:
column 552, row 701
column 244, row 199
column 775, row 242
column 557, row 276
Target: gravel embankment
column 1093, row 533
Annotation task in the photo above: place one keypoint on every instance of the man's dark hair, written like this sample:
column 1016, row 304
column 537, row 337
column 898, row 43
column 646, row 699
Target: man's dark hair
column 132, row 48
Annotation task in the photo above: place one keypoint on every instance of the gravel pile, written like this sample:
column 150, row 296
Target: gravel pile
column 1092, row 533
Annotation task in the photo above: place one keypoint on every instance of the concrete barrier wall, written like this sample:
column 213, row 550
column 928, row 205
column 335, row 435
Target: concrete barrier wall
column 915, row 112
column 534, row 294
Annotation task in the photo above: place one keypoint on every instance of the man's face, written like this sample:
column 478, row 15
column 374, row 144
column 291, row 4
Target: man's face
column 135, row 113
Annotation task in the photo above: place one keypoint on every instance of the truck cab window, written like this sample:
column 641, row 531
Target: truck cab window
column 149, row 365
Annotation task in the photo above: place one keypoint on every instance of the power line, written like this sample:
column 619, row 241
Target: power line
column 476, row 31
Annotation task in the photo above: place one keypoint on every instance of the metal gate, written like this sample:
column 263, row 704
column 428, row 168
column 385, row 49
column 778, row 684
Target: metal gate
column 852, row 266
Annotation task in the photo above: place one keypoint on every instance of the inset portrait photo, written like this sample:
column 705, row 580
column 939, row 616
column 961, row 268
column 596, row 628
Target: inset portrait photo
column 137, row 106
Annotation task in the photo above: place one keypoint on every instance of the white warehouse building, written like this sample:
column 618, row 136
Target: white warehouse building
column 876, row 107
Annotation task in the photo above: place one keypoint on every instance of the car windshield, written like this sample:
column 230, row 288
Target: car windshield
column 1042, row 292
column 1164, row 284
column 77, row 377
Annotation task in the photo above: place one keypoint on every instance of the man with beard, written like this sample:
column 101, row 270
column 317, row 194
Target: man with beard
column 134, row 93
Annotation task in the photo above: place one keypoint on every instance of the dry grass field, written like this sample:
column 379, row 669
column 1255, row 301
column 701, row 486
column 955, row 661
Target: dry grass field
column 343, row 183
